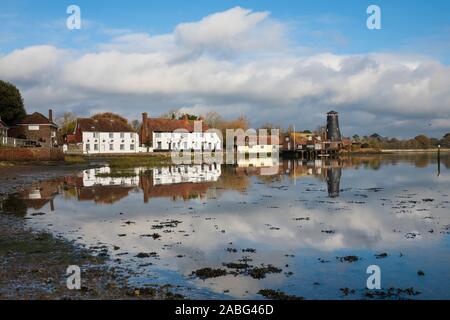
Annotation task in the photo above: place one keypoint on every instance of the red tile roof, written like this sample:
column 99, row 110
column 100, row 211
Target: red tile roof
column 170, row 125
column 36, row 118
column 103, row 125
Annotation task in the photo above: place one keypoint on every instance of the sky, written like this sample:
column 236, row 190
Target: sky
column 283, row 62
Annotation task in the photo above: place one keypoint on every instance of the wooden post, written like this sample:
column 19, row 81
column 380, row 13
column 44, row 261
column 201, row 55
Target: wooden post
column 439, row 160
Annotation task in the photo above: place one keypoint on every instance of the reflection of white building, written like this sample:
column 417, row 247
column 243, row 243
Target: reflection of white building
column 187, row 174
column 257, row 162
column 93, row 177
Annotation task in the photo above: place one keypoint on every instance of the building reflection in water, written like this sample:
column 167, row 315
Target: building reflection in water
column 333, row 181
column 181, row 182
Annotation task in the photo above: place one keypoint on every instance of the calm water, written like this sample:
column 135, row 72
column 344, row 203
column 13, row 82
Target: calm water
column 298, row 219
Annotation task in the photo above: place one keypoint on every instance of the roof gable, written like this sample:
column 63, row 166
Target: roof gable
column 170, row 125
column 36, row 118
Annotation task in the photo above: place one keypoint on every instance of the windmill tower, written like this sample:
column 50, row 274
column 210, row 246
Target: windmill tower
column 333, row 131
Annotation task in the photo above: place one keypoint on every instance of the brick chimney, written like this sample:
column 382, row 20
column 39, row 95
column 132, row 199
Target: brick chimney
column 144, row 116
column 50, row 115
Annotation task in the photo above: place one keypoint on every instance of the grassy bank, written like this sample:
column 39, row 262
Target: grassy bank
column 149, row 161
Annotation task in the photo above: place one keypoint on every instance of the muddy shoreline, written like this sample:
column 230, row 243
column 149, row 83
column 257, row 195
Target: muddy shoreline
column 33, row 264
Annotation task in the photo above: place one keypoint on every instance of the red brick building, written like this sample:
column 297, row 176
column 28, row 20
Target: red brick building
column 36, row 127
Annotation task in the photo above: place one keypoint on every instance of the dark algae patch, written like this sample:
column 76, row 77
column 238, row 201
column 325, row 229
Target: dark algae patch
column 348, row 259
column 391, row 293
column 277, row 295
column 261, row 272
column 206, row 273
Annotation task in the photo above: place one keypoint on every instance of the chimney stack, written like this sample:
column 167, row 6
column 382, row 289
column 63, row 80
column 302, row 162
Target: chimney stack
column 50, row 115
column 144, row 117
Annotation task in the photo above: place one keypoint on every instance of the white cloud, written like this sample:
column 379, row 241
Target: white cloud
column 30, row 63
column 233, row 30
column 236, row 61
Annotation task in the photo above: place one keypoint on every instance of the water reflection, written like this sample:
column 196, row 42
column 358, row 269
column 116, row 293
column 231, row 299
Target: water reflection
column 299, row 219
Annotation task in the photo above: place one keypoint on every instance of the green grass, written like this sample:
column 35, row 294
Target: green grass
column 148, row 161
column 74, row 159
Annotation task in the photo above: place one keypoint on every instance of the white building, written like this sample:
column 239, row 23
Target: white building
column 264, row 146
column 3, row 133
column 104, row 136
column 169, row 134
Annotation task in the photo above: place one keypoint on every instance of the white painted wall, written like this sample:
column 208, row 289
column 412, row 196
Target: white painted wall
column 258, row 162
column 110, row 142
column 186, row 174
column 260, row 148
column 161, row 176
column 191, row 140
column 90, row 179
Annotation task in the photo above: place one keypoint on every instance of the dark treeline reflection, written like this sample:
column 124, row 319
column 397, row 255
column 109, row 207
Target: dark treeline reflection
column 184, row 182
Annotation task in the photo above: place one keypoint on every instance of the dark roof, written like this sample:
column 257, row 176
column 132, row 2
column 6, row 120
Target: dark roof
column 36, row 118
column 103, row 125
column 2, row 124
column 169, row 125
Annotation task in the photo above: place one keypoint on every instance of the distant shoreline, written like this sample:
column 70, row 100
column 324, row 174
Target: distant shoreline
column 395, row 151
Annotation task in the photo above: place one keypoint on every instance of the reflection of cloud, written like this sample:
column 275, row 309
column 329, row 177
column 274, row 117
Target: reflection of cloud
column 267, row 217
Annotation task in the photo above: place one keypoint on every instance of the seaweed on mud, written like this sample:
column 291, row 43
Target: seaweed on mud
column 206, row 273
column 347, row 291
column 277, row 295
column 395, row 293
column 261, row 272
column 235, row 265
column 154, row 236
column 146, row 255
column 348, row 259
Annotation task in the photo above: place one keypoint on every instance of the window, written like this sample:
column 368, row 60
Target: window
column 157, row 135
column 131, row 146
column 111, row 147
column 53, row 134
column 95, row 147
column 96, row 135
column 111, row 135
column 159, row 145
column 88, row 147
column 122, row 147
column 122, row 135
column 131, row 135
column 33, row 128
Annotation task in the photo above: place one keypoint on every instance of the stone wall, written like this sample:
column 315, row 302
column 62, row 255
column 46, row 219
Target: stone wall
column 31, row 154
